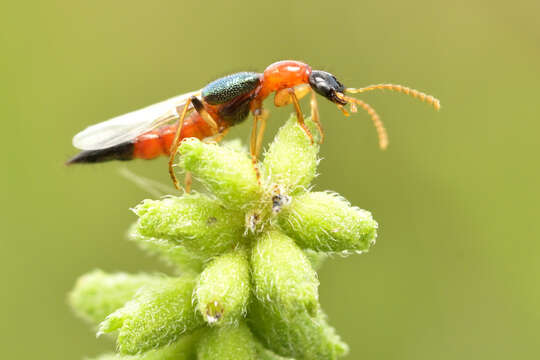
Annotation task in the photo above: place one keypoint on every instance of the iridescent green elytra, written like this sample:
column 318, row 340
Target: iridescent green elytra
column 229, row 87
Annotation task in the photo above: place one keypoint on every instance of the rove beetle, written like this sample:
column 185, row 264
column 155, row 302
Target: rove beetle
column 209, row 113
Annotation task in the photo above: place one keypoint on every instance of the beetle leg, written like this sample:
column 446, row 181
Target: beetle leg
column 220, row 135
column 315, row 115
column 263, row 117
column 253, row 145
column 188, row 180
column 176, row 143
column 299, row 116
column 283, row 98
column 198, row 105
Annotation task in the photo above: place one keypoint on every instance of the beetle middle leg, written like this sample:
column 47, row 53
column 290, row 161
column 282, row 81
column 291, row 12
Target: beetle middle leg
column 198, row 105
column 260, row 134
column 253, row 144
column 217, row 138
column 188, row 180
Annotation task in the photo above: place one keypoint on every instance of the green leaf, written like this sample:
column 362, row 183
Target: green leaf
column 223, row 290
column 326, row 222
column 155, row 317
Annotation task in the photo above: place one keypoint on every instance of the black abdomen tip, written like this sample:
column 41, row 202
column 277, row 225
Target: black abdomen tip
column 123, row 152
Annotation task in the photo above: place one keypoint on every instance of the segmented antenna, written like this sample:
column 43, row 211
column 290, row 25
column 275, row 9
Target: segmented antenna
column 402, row 89
column 377, row 122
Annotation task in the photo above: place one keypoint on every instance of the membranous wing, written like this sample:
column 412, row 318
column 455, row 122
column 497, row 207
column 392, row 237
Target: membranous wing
column 128, row 126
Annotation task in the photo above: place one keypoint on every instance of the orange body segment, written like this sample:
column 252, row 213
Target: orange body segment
column 158, row 142
column 283, row 75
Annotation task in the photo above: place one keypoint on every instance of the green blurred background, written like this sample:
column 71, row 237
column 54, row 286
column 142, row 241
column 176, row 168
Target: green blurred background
column 455, row 272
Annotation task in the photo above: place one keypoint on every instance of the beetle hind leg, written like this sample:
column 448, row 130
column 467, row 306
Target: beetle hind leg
column 176, row 144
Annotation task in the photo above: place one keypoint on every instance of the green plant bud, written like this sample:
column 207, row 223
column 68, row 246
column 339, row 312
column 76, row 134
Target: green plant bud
column 182, row 349
column 291, row 160
column 195, row 221
column 326, row 222
column 297, row 335
column 265, row 354
column 223, row 290
column 227, row 173
column 282, row 275
column 97, row 294
column 168, row 251
column 286, row 315
column 227, row 343
column 158, row 315
column 315, row 258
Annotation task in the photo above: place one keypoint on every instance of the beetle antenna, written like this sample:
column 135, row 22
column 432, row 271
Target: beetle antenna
column 377, row 122
column 402, row 89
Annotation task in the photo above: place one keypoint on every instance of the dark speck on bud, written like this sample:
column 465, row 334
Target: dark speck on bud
column 278, row 201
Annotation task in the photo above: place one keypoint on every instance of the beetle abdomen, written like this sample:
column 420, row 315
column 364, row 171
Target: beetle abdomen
column 229, row 87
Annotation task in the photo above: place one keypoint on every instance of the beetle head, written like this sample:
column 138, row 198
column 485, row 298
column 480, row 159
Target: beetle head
column 326, row 84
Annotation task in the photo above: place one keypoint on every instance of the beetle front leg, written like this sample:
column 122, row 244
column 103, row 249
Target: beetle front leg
column 315, row 115
column 299, row 115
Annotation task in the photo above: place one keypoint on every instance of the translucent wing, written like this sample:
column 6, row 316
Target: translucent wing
column 128, row 126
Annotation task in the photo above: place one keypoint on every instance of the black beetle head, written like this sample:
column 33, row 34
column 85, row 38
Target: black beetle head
column 327, row 85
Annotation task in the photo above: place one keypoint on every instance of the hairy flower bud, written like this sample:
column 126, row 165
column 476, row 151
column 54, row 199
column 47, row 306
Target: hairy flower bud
column 227, row 343
column 195, row 221
column 155, row 317
column 246, row 256
column 286, row 316
column 223, row 289
column 227, row 173
column 291, row 160
column 97, row 294
column 182, row 349
column 282, row 274
column 169, row 252
column 326, row 222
